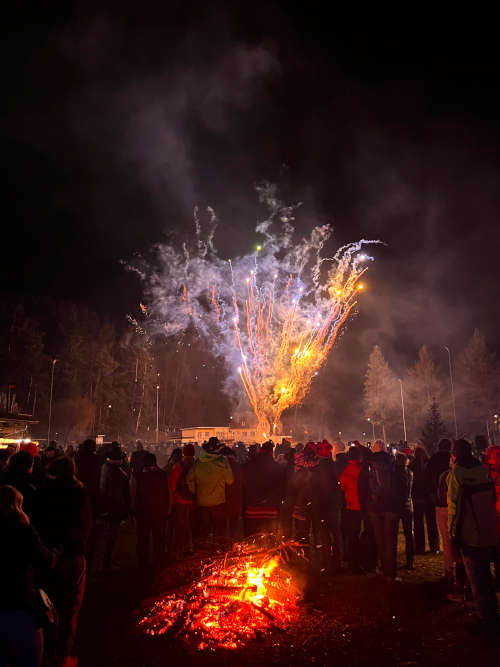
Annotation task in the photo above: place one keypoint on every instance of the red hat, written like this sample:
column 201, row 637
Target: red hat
column 492, row 456
column 324, row 449
column 30, row 447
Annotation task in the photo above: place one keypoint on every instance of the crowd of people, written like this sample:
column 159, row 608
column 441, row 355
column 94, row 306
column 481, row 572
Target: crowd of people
column 61, row 514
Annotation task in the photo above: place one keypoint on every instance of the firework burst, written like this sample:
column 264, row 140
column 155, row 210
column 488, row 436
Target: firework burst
column 273, row 314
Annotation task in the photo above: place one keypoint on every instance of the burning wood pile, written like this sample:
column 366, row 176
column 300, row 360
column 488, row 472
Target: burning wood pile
column 251, row 591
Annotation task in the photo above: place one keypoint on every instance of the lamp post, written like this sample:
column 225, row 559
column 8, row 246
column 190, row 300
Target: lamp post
column 373, row 427
column 403, row 407
column 157, row 412
column 50, row 400
column 452, row 392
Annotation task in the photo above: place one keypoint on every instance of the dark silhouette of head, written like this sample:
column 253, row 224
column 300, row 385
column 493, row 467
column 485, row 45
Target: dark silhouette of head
column 444, row 445
column 149, row 459
column 21, row 463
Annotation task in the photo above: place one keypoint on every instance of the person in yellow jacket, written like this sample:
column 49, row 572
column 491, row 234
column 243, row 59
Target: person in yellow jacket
column 471, row 521
column 207, row 479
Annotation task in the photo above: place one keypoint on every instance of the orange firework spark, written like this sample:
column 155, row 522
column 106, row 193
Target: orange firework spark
column 286, row 338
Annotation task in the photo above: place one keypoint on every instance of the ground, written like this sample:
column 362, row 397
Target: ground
column 348, row 620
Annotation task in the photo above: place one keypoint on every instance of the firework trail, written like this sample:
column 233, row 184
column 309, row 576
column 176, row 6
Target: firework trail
column 273, row 315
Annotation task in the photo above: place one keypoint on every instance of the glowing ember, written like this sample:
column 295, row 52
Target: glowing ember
column 249, row 592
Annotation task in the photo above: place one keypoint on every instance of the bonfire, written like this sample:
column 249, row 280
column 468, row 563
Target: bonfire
column 253, row 590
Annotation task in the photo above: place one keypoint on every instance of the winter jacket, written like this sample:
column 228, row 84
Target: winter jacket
column 382, row 487
column 150, row 496
column 23, row 561
column 137, row 461
column 471, row 506
column 207, row 479
column 420, row 490
column 349, row 483
column 442, row 492
column 115, row 491
column 65, row 516
column 326, row 490
column 88, row 468
column 263, row 486
column 177, row 484
column 405, row 483
column 438, row 463
column 234, row 492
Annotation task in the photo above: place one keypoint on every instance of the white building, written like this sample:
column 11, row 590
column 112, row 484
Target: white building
column 227, row 434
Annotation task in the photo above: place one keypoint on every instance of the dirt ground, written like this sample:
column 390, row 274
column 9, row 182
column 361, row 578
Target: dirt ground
column 347, row 620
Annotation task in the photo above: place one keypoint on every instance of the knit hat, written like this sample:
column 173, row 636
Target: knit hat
column 30, row 447
column 492, row 457
column 115, row 452
column 324, row 449
column 462, row 451
column 188, row 449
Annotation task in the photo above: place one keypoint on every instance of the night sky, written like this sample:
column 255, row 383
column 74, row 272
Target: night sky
column 116, row 122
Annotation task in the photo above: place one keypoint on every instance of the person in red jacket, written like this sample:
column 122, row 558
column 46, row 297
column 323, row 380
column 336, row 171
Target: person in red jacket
column 352, row 516
column 492, row 462
column 181, row 504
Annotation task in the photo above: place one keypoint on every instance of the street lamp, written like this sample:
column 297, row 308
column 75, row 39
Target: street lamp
column 373, row 426
column 403, row 408
column 157, row 412
column 50, row 401
column 452, row 392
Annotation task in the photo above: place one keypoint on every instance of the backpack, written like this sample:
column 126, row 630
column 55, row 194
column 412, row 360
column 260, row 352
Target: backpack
column 381, row 482
column 477, row 503
column 182, row 488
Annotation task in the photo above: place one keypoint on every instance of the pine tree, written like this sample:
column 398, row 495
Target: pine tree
column 380, row 390
column 421, row 388
column 477, row 384
column 434, row 428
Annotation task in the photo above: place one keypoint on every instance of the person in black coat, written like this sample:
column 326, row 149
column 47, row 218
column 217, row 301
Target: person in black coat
column 405, row 483
column 263, row 491
column 423, row 505
column 24, row 562
column 383, row 505
column 114, row 500
column 65, row 522
column 327, row 503
column 437, row 464
column 150, row 504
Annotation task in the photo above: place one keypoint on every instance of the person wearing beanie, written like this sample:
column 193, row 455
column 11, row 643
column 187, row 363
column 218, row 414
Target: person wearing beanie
column 424, row 508
column 263, row 491
column 207, row 480
column 351, row 481
column 382, row 504
column 472, row 525
column 301, row 491
column 65, row 523
column 115, row 500
column 181, row 504
column 327, row 503
column 149, row 502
